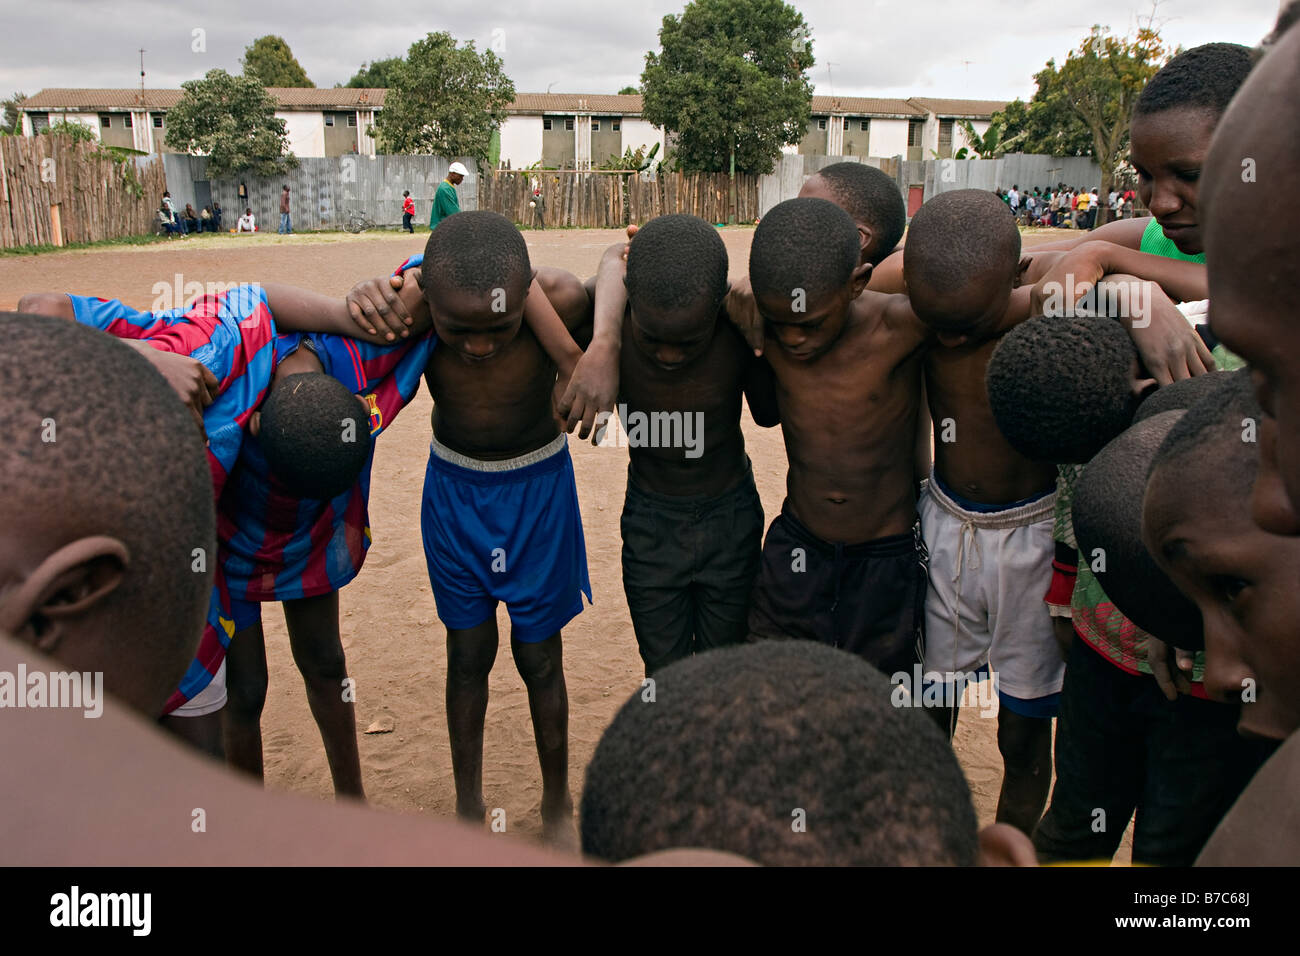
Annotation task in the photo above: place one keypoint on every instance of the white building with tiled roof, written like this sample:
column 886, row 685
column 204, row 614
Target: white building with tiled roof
column 557, row 130
column 320, row 122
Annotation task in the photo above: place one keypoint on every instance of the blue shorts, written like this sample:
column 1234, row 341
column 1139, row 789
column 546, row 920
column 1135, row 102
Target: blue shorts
column 505, row 531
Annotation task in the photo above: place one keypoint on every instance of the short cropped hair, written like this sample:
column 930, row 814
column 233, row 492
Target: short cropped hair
column 1188, row 392
column 1107, row 514
column 677, row 262
column 738, row 745
column 1060, row 388
column 958, row 238
column 1204, row 77
column 475, row 252
column 1231, row 411
column 90, row 424
column 315, row 435
column 871, row 198
column 809, row 244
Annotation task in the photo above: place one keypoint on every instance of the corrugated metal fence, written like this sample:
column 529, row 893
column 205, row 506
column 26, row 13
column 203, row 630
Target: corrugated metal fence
column 323, row 191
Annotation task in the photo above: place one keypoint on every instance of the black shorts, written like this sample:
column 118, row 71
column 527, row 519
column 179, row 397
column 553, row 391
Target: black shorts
column 866, row 598
column 1122, row 748
column 688, row 568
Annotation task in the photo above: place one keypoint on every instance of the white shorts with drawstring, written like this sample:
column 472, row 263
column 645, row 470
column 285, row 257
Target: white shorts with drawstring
column 988, row 573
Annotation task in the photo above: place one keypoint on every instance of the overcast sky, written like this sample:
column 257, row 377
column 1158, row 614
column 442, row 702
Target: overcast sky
column 980, row 49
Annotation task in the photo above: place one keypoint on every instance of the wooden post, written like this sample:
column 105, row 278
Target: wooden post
column 56, row 225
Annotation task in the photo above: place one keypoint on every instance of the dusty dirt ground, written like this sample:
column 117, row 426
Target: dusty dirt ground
column 394, row 641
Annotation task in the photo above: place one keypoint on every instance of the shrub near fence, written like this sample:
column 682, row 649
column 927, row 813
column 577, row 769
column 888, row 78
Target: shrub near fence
column 611, row 200
column 55, row 191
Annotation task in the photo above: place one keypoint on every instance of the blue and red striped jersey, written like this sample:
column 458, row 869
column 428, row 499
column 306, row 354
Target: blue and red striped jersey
column 233, row 334
column 277, row 547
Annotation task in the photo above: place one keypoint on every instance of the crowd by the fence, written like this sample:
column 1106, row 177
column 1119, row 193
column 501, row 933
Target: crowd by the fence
column 1066, row 207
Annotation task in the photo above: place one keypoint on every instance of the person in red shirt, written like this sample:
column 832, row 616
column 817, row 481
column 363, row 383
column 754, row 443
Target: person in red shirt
column 408, row 210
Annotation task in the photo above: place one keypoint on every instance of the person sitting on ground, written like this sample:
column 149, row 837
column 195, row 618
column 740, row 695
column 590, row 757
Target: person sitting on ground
column 247, row 223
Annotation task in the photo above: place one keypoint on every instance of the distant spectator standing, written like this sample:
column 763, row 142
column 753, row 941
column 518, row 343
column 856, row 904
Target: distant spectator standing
column 445, row 201
column 408, row 210
column 1013, row 198
column 539, row 207
column 286, row 225
column 246, row 222
column 216, row 216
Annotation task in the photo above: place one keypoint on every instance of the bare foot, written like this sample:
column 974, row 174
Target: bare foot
column 558, row 830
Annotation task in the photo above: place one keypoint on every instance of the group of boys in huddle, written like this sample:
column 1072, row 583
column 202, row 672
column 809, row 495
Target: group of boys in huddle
column 921, row 532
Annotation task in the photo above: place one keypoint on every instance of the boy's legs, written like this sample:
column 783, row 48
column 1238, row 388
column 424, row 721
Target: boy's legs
column 246, row 683
column 313, row 624
column 198, row 720
column 1100, row 760
column 541, row 665
column 729, row 539
column 1026, row 747
column 657, row 578
column 471, row 653
column 1196, row 767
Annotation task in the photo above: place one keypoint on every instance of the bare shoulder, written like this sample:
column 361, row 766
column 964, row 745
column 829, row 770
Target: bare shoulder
column 902, row 323
column 567, row 294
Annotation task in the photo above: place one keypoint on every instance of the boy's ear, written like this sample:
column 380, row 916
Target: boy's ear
column 865, row 238
column 255, row 423
column 67, row 584
column 1021, row 269
column 1003, row 845
column 861, row 276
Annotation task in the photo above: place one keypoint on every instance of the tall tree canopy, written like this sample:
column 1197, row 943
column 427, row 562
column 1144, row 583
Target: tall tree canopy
column 270, row 61
column 444, row 99
column 232, row 120
column 730, row 74
column 1084, row 106
column 377, row 74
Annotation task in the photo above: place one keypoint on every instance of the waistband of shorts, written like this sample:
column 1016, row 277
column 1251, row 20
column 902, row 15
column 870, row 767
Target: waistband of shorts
column 744, row 487
column 893, row 545
column 440, row 453
column 1015, row 515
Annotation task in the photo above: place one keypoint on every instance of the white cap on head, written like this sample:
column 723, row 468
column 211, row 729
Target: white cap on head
column 458, row 168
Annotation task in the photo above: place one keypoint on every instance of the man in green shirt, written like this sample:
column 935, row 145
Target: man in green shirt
column 445, row 202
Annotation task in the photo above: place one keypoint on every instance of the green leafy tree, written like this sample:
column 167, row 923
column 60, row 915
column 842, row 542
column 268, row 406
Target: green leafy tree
column 987, row 146
column 730, row 79
column 377, row 74
column 231, row 119
column 270, row 61
column 444, row 99
column 80, row 132
column 9, row 113
column 1092, row 95
column 1045, row 124
column 628, row 91
column 636, row 159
